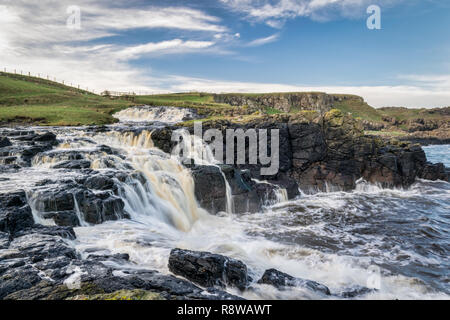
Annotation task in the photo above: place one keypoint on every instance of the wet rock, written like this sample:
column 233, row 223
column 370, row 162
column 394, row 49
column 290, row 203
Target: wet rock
column 210, row 188
column 15, row 214
column 174, row 287
column 66, row 203
column 99, row 207
column 47, row 137
column 16, row 279
column 4, row 240
column 4, row 142
column 356, row 291
column 58, row 231
column 207, row 269
column 73, row 164
column 99, row 182
column 281, row 280
column 434, row 172
column 37, row 247
column 118, row 257
column 63, row 218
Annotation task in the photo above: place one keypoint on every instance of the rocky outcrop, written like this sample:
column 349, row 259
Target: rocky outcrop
column 15, row 213
column 285, row 102
column 18, row 147
column 246, row 194
column 93, row 198
column 330, row 151
column 423, row 126
column 208, row 270
column 38, row 263
column 282, row 280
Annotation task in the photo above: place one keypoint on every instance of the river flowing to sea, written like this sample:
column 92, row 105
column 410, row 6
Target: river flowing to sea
column 398, row 239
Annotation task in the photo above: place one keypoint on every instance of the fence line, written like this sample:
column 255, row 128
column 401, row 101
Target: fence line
column 48, row 77
column 111, row 93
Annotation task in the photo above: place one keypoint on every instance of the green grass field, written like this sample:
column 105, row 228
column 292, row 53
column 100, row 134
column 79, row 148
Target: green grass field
column 30, row 100
column 37, row 101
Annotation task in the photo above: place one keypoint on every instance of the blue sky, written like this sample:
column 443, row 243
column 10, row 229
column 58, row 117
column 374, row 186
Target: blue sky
column 237, row 45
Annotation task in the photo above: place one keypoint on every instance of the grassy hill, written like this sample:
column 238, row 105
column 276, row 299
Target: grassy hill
column 30, row 100
column 33, row 100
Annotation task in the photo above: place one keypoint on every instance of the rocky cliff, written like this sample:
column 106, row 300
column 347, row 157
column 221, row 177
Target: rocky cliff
column 330, row 151
column 285, row 102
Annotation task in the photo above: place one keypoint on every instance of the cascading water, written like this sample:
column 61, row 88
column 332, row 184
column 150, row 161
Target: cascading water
column 192, row 148
column 150, row 114
column 333, row 238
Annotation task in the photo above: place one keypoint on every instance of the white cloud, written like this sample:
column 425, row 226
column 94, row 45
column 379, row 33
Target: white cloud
column 34, row 38
column 262, row 41
column 275, row 12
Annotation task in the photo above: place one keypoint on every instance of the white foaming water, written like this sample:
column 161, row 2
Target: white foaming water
column 319, row 248
column 332, row 238
column 152, row 114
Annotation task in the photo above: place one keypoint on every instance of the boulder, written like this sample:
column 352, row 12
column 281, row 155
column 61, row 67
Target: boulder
column 356, row 291
column 15, row 213
column 281, row 280
column 48, row 138
column 210, row 188
column 208, row 269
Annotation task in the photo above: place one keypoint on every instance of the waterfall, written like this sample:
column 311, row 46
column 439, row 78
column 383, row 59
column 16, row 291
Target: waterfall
column 160, row 188
column 153, row 114
column 194, row 148
column 78, row 212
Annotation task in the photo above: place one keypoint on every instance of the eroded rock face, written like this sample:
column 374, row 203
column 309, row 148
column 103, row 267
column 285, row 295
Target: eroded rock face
column 210, row 188
column 207, row 269
column 317, row 101
column 18, row 147
column 15, row 213
column 64, row 203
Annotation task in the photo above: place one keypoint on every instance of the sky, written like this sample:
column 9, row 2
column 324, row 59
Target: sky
column 236, row 46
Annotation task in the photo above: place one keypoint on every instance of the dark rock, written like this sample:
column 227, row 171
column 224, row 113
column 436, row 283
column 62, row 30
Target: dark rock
column 4, row 240
column 47, row 137
column 356, row 291
column 210, row 188
column 99, row 182
column 4, row 142
column 280, row 280
column 15, row 214
column 434, row 172
column 67, row 218
column 115, row 257
column 207, row 269
column 94, row 207
column 63, row 232
column 73, row 164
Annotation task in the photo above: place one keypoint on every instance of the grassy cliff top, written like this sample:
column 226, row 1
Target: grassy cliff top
column 31, row 100
column 37, row 101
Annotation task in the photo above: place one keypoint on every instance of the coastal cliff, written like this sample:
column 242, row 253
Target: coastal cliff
column 286, row 102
